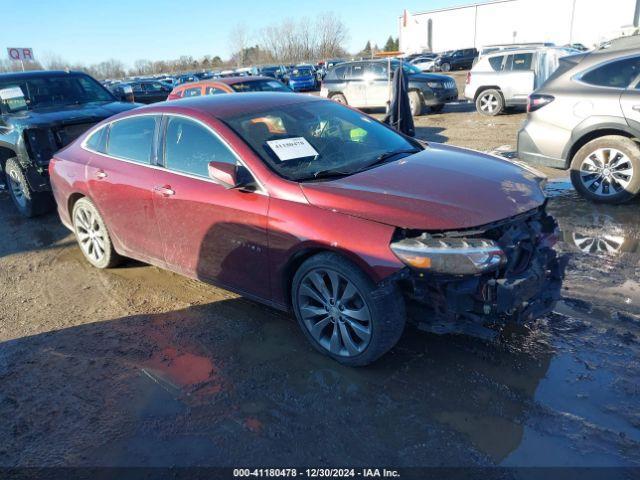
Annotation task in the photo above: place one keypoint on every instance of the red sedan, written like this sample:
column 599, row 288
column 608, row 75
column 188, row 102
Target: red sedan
column 307, row 205
column 228, row 85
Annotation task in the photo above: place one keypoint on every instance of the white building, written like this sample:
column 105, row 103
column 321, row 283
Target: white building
column 517, row 21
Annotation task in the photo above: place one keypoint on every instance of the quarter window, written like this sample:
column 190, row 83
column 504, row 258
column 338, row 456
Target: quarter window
column 189, row 147
column 192, row 92
column 132, row 138
column 617, row 74
column 97, row 142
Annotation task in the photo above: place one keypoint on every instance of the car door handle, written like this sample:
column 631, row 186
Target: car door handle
column 100, row 174
column 636, row 108
column 165, row 191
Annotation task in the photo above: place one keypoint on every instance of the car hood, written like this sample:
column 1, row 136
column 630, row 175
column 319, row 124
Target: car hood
column 87, row 113
column 441, row 188
column 428, row 77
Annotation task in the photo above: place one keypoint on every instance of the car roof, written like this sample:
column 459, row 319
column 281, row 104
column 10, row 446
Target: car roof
column 225, row 106
column 39, row 74
column 225, row 80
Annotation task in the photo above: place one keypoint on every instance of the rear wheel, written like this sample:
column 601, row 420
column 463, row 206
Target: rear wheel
column 340, row 98
column 445, row 67
column 607, row 170
column 28, row 202
column 92, row 235
column 490, row 102
column 342, row 312
column 416, row 103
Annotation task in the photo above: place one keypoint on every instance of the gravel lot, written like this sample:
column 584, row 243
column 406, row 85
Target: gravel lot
column 138, row 366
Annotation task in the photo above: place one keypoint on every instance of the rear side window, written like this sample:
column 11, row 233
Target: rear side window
column 496, row 63
column 192, row 92
column 357, row 70
column 97, row 142
column 189, row 147
column 214, row 91
column 340, row 73
column 617, row 74
column 519, row 61
column 132, row 138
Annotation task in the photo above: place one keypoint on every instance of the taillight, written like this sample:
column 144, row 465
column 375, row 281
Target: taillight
column 537, row 101
column 468, row 78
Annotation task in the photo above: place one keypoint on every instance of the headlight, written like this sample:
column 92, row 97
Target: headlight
column 434, row 84
column 453, row 256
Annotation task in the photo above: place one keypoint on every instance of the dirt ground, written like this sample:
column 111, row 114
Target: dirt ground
column 140, row 367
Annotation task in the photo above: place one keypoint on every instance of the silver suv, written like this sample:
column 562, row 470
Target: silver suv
column 586, row 118
column 366, row 84
column 506, row 78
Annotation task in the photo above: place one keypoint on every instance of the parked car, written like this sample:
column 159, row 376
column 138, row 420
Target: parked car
column 586, row 118
column 307, row 205
column 507, row 78
column 456, row 60
column 228, row 85
column 303, row 78
column 279, row 72
column 365, row 84
column 41, row 112
column 487, row 49
column 426, row 62
column 145, row 91
column 180, row 79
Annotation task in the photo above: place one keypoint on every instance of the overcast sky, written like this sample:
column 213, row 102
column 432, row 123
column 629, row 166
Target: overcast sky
column 91, row 31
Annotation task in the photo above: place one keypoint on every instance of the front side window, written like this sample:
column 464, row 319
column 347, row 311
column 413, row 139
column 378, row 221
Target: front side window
column 189, row 147
column 214, row 91
column 309, row 140
column 132, row 138
column 618, row 74
column 260, row 86
column 153, row 87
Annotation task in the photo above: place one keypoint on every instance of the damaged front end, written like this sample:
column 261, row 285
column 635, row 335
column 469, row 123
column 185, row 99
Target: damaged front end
column 506, row 272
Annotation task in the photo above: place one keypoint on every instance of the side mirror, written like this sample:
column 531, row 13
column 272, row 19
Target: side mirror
column 127, row 94
column 224, row 173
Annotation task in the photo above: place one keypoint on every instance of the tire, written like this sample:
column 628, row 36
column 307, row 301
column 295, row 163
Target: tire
column 437, row 108
column 340, row 98
column 490, row 102
column 28, row 202
column 417, row 104
column 378, row 313
column 607, row 170
column 445, row 67
column 92, row 235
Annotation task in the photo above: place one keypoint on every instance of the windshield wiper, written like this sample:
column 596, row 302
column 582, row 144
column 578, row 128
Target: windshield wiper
column 383, row 158
column 325, row 174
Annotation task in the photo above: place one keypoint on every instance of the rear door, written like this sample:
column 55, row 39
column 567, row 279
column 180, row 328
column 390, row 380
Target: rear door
column 356, row 86
column 121, row 180
column 518, row 77
column 377, row 81
column 630, row 98
column 209, row 232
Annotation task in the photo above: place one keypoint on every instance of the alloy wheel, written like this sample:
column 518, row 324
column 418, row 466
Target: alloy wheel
column 90, row 234
column 334, row 312
column 606, row 172
column 17, row 189
column 489, row 103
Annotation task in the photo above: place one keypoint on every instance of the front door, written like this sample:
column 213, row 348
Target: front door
column 210, row 232
column 120, row 182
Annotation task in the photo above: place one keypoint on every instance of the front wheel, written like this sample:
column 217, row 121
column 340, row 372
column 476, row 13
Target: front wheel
column 607, row 170
column 338, row 97
column 416, row 103
column 92, row 235
column 28, row 202
column 445, row 67
column 342, row 312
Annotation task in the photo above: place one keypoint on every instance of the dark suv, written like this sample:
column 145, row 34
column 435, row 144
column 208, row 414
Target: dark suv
column 144, row 91
column 41, row 112
column 456, row 60
column 365, row 84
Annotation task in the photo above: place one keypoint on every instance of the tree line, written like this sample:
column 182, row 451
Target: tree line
column 288, row 41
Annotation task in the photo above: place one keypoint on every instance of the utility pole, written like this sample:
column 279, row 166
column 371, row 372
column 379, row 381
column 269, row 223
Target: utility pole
column 573, row 14
column 636, row 15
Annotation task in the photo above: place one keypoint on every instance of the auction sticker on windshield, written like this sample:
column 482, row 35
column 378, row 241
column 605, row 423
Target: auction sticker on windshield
column 292, row 148
column 13, row 97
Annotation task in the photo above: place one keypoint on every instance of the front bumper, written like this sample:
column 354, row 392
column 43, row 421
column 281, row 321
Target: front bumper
column 526, row 288
column 441, row 96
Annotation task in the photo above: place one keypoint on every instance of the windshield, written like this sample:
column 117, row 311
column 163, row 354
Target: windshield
column 301, row 72
column 313, row 140
column 260, row 86
column 42, row 92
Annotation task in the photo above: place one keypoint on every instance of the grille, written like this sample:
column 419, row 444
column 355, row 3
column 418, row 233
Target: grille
column 68, row 134
column 449, row 84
